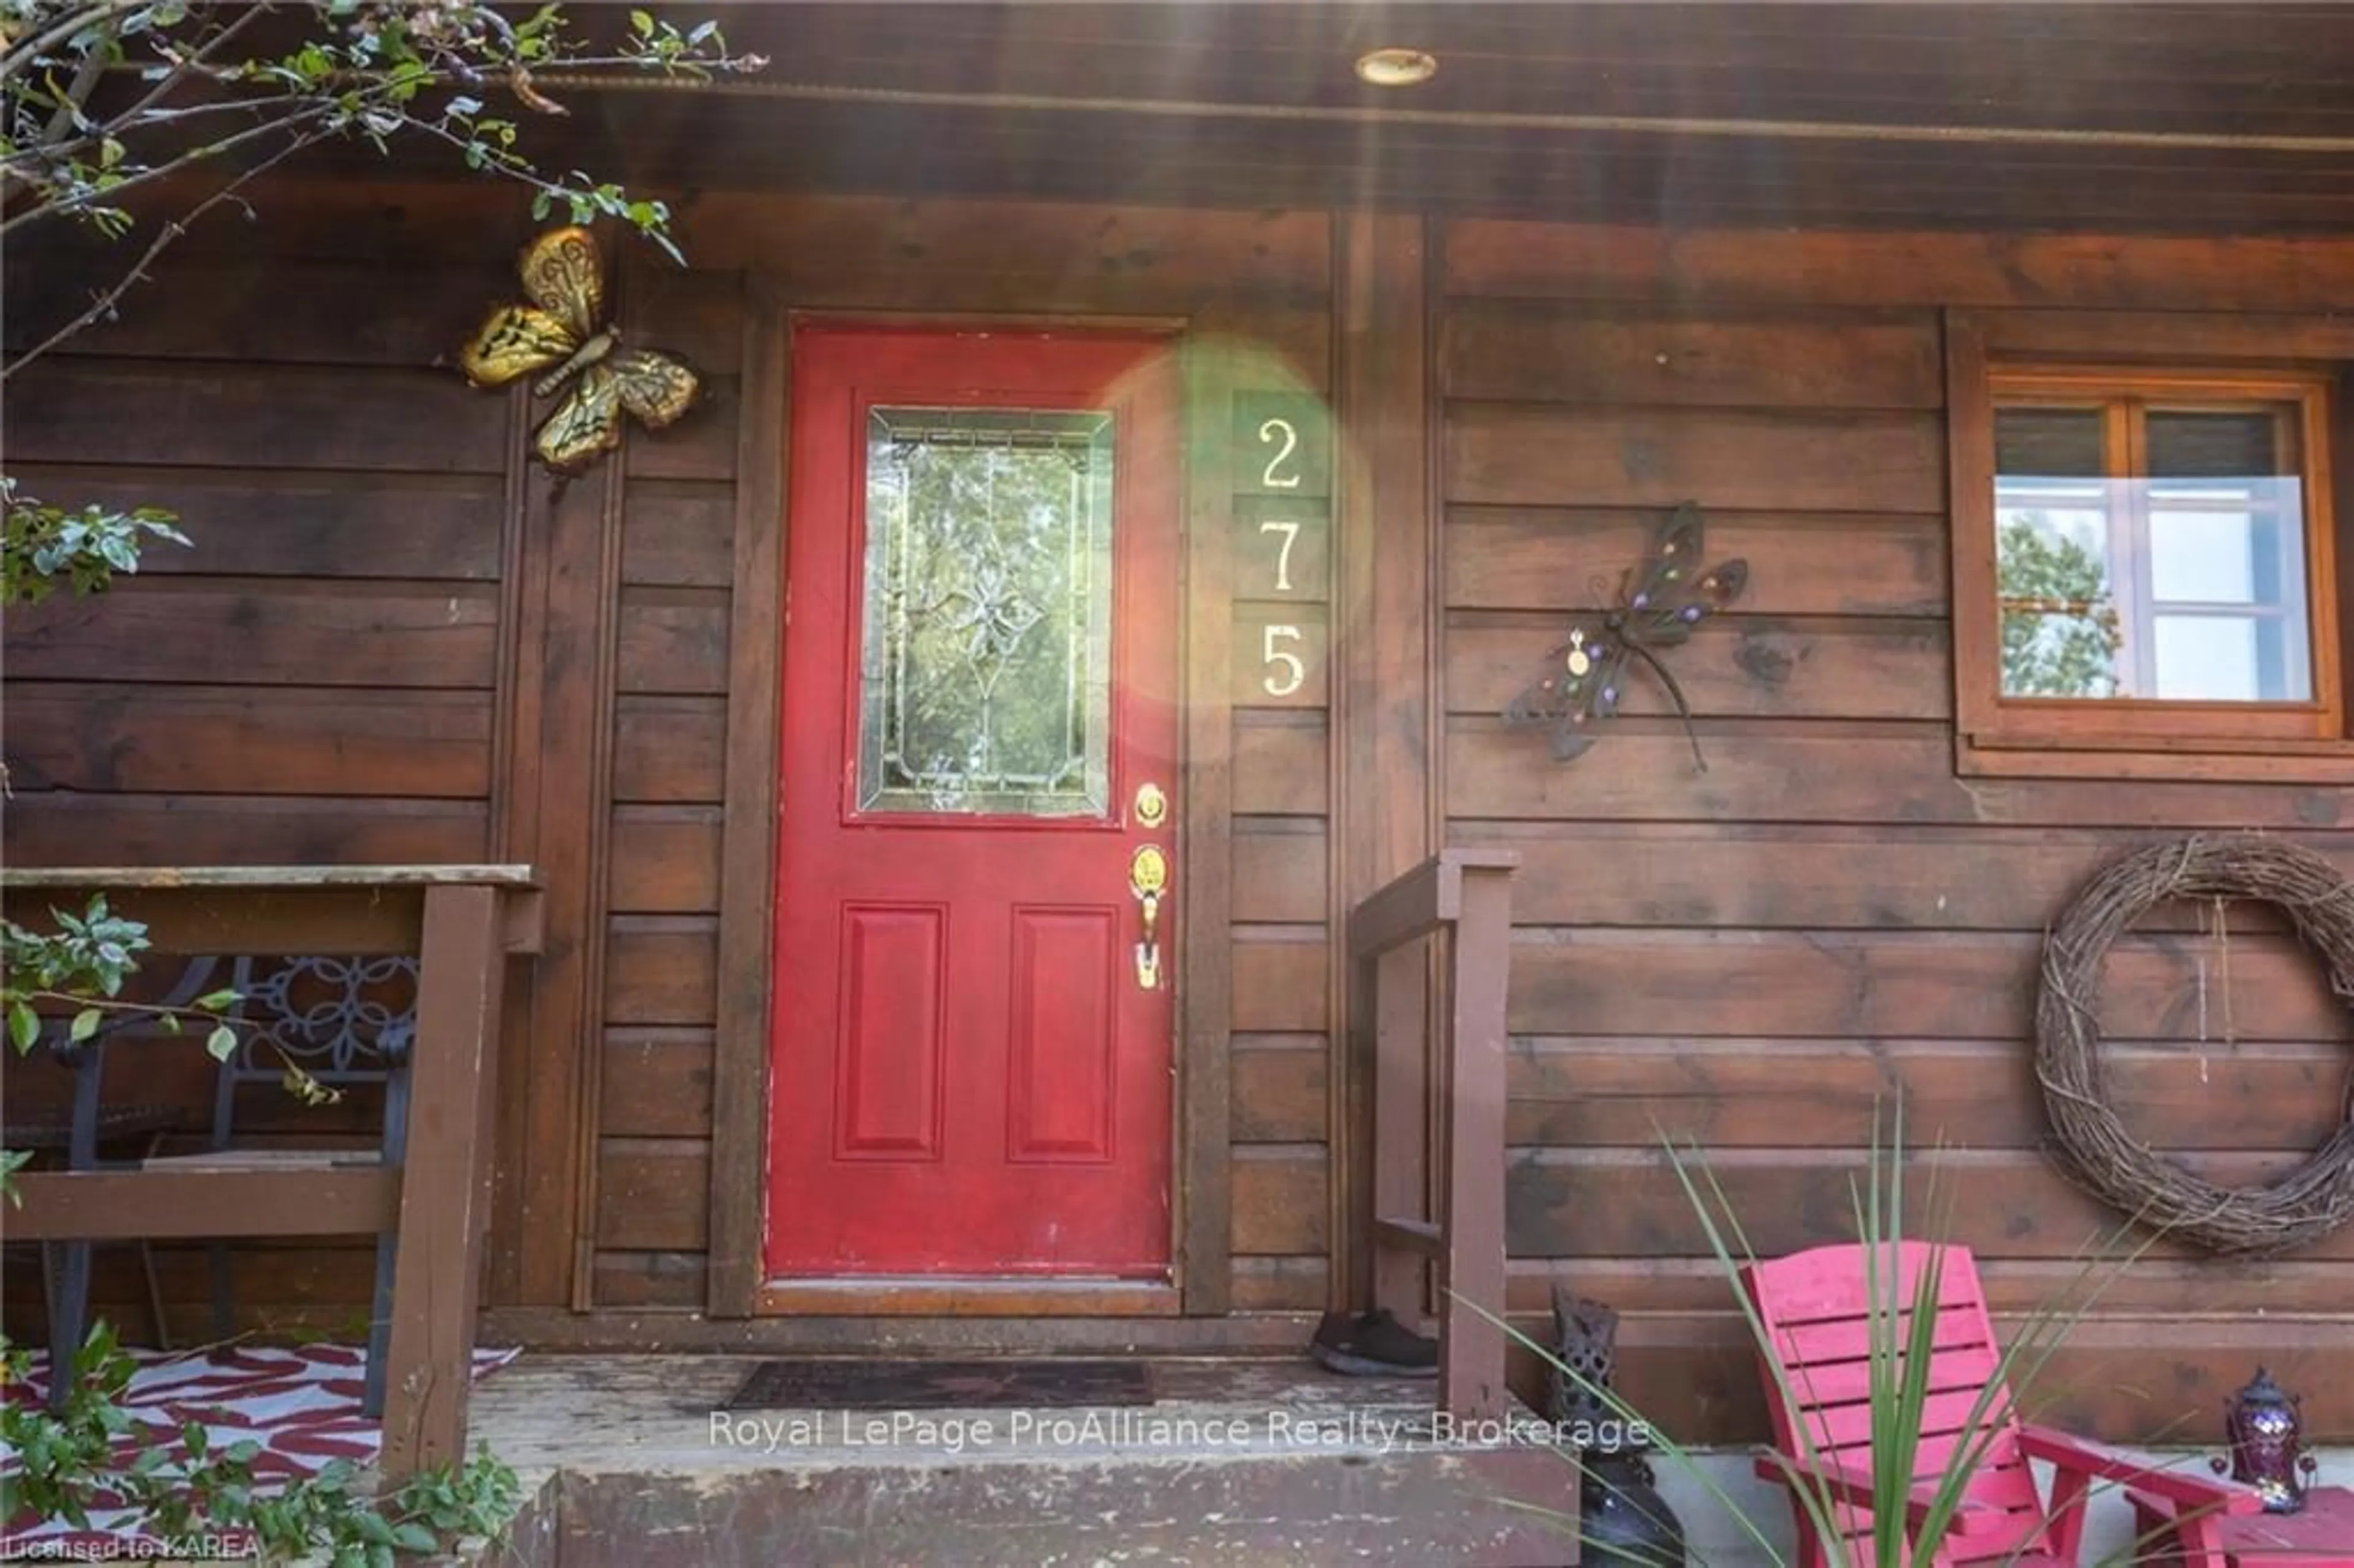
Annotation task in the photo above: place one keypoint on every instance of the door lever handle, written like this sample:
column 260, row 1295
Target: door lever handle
column 1147, row 878
column 1147, row 951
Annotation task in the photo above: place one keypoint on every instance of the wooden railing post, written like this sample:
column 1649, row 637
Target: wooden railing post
column 1471, row 1374
column 445, row 1189
column 1450, row 1091
column 1402, row 1089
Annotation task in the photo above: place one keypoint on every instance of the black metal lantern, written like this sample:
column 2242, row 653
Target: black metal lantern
column 1623, row 1522
column 2266, row 1431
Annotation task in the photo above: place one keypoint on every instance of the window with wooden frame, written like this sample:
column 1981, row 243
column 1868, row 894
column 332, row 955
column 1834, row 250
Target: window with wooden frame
column 2145, row 578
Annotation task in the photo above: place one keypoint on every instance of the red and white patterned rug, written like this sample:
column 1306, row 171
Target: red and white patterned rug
column 299, row 1403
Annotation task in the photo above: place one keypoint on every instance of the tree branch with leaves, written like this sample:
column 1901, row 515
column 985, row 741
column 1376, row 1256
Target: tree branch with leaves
column 132, row 120
column 2061, row 631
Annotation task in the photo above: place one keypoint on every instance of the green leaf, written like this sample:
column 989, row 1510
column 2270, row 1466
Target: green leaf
column 85, row 1025
column 413, row 1537
column 643, row 23
column 221, row 1044
column 24, row 1025
column 214, row 1002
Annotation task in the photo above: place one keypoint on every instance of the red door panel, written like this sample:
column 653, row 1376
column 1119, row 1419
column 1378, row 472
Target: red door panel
column 970, row 1076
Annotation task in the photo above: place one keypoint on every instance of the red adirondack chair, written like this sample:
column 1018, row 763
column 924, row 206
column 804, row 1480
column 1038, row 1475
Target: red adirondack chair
column 1816, row 1309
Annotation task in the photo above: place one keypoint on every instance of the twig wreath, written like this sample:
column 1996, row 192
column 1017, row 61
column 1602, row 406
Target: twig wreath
column 2303, row 1205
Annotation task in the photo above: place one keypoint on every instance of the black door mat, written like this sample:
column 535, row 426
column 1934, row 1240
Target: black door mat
column 820, row 1383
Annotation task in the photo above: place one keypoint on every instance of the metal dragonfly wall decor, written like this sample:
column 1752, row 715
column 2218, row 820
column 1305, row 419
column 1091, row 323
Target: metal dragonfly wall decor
column 565, row 280
column 1659, row 605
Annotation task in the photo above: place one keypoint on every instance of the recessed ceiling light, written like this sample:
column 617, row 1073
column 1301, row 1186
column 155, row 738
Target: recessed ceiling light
column 1397, row 68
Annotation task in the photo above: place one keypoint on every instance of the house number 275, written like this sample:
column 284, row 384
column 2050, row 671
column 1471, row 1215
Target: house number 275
column 1285, row 671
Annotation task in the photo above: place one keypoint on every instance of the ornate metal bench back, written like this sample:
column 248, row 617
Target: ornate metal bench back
column 344, row 1021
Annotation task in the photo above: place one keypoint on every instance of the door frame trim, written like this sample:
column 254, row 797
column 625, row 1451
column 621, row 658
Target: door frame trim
column 748, row 863
column 1200, row 1197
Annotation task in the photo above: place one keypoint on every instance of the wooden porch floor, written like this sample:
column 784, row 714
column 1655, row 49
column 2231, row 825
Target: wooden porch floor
column 1236, row 1463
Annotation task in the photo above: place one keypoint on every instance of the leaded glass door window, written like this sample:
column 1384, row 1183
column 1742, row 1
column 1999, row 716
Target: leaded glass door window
column 985, row 648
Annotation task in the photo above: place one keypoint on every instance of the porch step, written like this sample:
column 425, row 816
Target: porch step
column 1238, row 1464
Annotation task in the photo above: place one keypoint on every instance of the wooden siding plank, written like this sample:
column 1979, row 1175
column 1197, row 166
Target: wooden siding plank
column 1280, row 1284
column 674, row 533
column 1800, row 563
column 661, row 969
column 104, row 738
column 266, row 524
column 292, row 312
column 654, row 1279
column 657, row 1083
column 1281, row 1199
column 1872, row 985
column 209, row 414
column 2011, row 1204
column 669, row 750
column 1278, row 877
column 1518, row 351
column 1632, row 1091
column 673, row 641
column 651, row 1194
column 1780, row 772
column 1279, row 986
column 207, row 632
column 1763, row 877
column 1738, row 665
column 1856, row 268
column 880, row 253
column 58, row 829
column 664, row 860
column 1281, row 1084
column 1281, row 767
column 696, row 315
column 1530, row 454
column 2187, row 335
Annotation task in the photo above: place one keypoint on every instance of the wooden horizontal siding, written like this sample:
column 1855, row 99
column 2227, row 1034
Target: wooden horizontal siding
column 1755, row 962
column 314, row 682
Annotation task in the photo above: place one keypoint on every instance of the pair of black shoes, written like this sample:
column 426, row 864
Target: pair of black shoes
column 1374, row 1344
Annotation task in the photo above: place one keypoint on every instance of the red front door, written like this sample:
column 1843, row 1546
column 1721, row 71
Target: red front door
column 973, row 1050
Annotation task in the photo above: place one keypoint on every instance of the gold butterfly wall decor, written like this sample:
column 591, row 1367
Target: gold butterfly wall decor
column 564, row 279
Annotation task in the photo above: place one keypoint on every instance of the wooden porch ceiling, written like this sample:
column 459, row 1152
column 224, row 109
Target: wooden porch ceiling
column 2180, row 117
